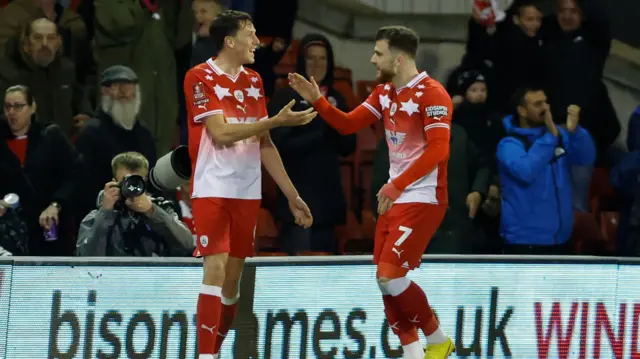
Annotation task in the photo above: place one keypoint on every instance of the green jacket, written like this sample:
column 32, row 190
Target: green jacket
column 58, row 95
column 128, row 34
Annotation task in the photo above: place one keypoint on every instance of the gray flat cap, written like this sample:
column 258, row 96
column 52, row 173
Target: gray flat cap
column 118, row 73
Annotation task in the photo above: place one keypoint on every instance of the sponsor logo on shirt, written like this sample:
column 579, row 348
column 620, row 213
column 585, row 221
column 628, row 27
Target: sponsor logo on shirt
column 395, row 138
column 437, row 112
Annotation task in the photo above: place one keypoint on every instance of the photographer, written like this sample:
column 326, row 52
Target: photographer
column 128, row 221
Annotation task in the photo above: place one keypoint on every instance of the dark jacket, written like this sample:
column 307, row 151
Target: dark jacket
column 311, row 153
column 536, row 183
column 57, row 93
column 99, row 142
column 52, row 172
column 573, row 67
column 625, row 178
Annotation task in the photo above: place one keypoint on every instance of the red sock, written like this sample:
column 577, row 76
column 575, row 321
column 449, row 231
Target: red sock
column 413, row 303
column 398, row 322
column 208, row 317
column 229, row 310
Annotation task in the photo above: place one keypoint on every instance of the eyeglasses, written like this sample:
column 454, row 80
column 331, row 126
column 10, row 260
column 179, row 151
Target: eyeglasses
column 15, row 106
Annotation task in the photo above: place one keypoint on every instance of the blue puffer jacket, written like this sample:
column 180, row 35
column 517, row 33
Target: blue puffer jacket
column 536, row 185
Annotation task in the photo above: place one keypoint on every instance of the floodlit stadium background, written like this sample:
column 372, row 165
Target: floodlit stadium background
column 318, row 309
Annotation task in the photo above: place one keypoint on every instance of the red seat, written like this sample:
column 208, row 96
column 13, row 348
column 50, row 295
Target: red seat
column 602, row 196
column 344, row 88
column 266, row 231
column 350, row 231
column 368, row 224
column 364, row 88
column 586, row 235
column 609, row 222
column 342, row 73
column 346, row 172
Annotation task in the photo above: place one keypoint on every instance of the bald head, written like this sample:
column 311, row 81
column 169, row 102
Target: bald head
column 42, row 41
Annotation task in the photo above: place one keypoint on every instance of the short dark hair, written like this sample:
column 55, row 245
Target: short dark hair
column 227, row 24
column 520, row 5
column 400, row 38
column 519, row 97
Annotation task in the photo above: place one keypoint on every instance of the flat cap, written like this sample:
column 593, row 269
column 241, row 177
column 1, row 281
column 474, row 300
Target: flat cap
column 118, row 73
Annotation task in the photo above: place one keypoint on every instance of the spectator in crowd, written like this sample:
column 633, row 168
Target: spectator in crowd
column 577, row 41
column 205, row 11
column 512, row 47
column 484, row 128
column 145, row 40
column 20, row 13
column 625, row 178
column 311, row 155
column 114, row 129
column 35, row 60
column 534, row 161
column 138, row 226
column 468, row 183
column 39, row 164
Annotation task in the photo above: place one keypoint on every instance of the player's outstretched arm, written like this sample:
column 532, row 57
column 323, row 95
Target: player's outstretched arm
column 273, row 164
column 227, row 133
column 345, row 123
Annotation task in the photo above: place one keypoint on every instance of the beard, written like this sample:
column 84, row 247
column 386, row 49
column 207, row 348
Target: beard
column 385, row 76
column 44, row 57
column 123, row 112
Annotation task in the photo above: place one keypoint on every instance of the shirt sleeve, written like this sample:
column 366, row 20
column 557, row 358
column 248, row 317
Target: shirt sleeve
column 201, row 100
column 372, row 103
column 348, row 123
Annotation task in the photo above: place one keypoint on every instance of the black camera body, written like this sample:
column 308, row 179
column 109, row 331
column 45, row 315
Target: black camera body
column 131, row 186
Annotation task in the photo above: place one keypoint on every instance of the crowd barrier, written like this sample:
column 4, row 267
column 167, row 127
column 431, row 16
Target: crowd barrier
column 319, row 307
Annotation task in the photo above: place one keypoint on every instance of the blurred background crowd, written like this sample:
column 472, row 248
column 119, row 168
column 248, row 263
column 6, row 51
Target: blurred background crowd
column 92, row 94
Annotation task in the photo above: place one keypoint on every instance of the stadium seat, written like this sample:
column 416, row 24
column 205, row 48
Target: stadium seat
column 368, row 224
column 586, row 236
column 344, row 88
column 283, row 69
column 365, row 88
column 349, row 232
column 343, row 73
column 281, row 82
column 346, row 173
column 602, row 196
column 266, row 231
column 609, row 222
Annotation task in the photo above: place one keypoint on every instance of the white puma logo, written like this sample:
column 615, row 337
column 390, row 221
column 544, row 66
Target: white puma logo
column 242, row 108
column 415, row 320
column 204, row 107
column 438, row 118
column 394, row 250
column 207, row 328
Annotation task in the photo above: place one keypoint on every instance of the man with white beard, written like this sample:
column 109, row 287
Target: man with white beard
column 112, row 130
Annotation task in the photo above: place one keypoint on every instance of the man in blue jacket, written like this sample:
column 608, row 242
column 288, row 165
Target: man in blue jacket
column 534, row 160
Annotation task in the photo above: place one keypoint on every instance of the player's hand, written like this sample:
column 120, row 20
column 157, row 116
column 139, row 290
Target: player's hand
column 386, row 196
column 474, row 200
column 301, row 212
column 110, row 195
column 548, row 121
column 141, row 204
column 289, row 118
column 573, row 117
column 309, row 90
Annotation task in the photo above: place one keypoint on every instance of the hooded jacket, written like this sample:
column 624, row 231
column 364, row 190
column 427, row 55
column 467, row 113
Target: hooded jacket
column 311, row 153
column 536, row 183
